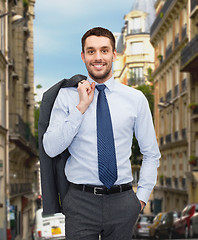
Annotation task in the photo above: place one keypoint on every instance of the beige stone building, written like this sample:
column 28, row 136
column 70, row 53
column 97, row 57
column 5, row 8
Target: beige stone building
column 189, row 64
column 174, row 122
column 18, row 155
column 135, row 54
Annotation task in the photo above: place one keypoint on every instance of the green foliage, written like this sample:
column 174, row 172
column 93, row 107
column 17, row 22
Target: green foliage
column 25, row 3
column 36, row 116
column 136, row 154
column 38, row 86
column 148, row 91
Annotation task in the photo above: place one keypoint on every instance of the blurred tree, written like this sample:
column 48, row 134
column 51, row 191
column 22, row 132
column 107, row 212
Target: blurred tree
column 36, row 116
column 148, row 91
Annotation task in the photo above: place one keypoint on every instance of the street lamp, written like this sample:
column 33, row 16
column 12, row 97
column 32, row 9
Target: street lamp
column 15, row 17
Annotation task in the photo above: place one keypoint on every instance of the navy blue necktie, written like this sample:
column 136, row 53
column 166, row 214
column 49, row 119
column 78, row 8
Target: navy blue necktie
column 107, row 166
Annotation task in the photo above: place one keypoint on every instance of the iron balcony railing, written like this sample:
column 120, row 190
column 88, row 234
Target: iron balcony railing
column 176, row 40
column 176, row 135
column 160, row 16
column 184, row 133
column 184, row 31
column 168, row 96
column 176, row 90
column 161, row 141
column 189, row 52
column 168, row 138
column 169, row 50
column 184, row 86
column 20, row 188
column 176, row 182
column 168, row 182
column 20, row 128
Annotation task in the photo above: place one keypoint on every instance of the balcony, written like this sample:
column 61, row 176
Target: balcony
column 136, row 81
column 184, row 133
column 189, row 56
column 194, row 8
column 161, row 141
column 160, row 16
column 184, row 85
column 176, row 90
column 20, row 132
column 183, row 183
column 169, row 50
column 176, row 183
column 168, row 138
column 184, row 31
column 176, row 40
column 168, row 182
column 20, row 188
column 168, row 96
column 176, row 135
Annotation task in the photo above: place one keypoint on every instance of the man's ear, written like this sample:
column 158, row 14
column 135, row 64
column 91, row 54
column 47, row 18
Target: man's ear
column 83, row 56
column 114, row 55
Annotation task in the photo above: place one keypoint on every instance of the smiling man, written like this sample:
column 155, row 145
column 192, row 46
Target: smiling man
column 96, row 123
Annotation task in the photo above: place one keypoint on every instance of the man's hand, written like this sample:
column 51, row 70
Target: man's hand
column 142, row 205
column 86, row 94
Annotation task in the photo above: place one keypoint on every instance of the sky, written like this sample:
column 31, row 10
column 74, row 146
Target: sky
column 58, row 28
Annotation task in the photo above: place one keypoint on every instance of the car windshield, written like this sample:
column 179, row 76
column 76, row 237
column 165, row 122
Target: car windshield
column 148, row 219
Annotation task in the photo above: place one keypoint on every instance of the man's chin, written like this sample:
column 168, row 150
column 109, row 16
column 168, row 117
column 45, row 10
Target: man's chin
column 99, row 76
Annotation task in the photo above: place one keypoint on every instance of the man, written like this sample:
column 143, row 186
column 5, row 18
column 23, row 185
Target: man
column 100, row 199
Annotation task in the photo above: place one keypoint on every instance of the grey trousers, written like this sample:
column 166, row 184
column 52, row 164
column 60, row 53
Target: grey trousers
column 88, row 215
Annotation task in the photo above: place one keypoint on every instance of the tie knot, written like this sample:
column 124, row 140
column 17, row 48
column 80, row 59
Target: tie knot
column 100, row 87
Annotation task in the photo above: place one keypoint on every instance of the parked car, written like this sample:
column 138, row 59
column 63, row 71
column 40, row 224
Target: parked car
column 141, row 228
column 49, row 227
column 156, row 222
column 165, row 227
column 181, row 226
column 194, row 225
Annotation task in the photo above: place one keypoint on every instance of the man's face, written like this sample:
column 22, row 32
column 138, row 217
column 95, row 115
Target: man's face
column 98, row 57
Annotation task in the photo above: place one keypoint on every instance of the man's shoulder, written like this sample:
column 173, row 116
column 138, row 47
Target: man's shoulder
column 53, row 91
column 128, row 89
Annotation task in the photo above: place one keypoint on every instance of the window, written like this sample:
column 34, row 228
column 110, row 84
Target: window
column 2, row 44
column 136, row 76
column 2, row 99
column 136, row 48
column 136, row 25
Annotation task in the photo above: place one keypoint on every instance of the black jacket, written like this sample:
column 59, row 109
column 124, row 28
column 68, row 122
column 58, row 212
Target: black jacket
column 54, row 183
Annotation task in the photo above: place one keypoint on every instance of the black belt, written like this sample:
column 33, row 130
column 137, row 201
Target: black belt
column 99, row 190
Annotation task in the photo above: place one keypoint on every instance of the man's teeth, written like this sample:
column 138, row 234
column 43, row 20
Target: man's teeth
column 98, row 66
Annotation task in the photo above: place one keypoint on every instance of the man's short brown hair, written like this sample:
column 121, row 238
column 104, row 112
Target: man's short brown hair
column 99, row 32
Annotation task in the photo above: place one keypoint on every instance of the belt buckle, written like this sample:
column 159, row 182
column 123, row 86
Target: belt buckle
column 95, row 190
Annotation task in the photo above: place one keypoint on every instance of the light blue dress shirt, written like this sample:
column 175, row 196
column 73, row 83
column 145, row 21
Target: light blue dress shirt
column 130, row 112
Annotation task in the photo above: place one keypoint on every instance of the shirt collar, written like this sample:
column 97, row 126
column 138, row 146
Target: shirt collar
column 109, row 83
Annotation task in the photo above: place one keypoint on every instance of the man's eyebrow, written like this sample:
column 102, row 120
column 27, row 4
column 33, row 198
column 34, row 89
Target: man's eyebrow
column 94, row 47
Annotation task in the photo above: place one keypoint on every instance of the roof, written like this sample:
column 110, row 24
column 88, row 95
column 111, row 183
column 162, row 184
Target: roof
column 146, row 6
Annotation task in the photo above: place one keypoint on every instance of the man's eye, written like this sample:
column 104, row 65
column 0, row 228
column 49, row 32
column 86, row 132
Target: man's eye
column 105, row 51
column 90, row 51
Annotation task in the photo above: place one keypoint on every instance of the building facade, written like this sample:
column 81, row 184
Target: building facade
column 19, row 175
column 170, row 33
column 189, row 64
column 135, row 54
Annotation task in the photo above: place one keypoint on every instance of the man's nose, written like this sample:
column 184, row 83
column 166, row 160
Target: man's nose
column 98, row 55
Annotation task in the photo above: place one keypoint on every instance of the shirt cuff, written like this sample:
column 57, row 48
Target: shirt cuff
column 143, row 194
